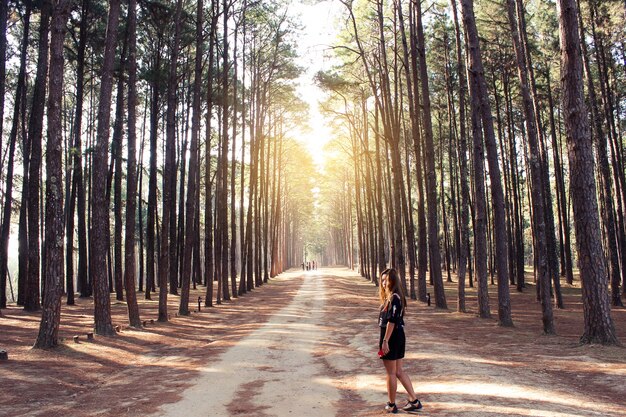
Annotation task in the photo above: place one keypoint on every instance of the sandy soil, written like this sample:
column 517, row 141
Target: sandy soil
column 465, row 366
column 272, row 371
column 305, row 345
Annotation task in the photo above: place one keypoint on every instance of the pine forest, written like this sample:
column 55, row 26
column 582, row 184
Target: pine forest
column 190, row 183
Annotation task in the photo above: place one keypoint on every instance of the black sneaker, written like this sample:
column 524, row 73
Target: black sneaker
column 391, row 408
column 412, row 405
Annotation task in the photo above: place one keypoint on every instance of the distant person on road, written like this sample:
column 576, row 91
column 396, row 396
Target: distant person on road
column 392, row 340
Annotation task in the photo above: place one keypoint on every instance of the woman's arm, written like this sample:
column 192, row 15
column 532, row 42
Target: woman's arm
column 388, row 332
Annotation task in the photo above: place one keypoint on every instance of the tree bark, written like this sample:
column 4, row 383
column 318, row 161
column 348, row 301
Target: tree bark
column 77, row 195
column 208, row 210
column 116, row 159
column 35, row 128
column 538, row 188
column 497, row 195
column 131, row 174
column 464, row 172
column 19, row 94
column 431, row 175
column 51, row 316
column 598, row 324
column 102, row 311
column 192, row 185
column 169, row 199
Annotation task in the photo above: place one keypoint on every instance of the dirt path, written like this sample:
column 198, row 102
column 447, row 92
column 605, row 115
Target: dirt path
column 317, row 357
column 272, row 371
column 305, row 344
column 464, row 366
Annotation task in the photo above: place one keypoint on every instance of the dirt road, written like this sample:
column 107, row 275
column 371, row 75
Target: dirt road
column 305, row 344
column 271, row 372
column 316, row 356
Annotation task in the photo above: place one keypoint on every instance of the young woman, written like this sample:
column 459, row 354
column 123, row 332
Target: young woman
column 392, row 340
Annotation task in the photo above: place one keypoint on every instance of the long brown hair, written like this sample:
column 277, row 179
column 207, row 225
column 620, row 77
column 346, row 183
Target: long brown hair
column 393, row 286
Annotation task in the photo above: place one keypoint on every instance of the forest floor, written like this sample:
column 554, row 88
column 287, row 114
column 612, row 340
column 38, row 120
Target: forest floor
column 305, row 345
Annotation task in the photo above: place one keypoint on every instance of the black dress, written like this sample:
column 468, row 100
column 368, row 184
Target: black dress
column 392, row 313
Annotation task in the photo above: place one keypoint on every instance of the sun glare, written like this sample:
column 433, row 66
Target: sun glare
column 319, row 29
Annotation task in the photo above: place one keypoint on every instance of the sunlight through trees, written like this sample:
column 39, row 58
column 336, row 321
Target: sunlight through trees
column 160, row 146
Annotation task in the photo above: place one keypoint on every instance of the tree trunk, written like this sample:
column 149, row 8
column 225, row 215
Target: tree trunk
column 78, row 186
column 431, row 180
column 607, row 210
column 233, row 168
column 422, row 235
column 599, row 326
column 35, row 127
column 131, row 171
column 51, row 317
column 208, row 210
column 102, row 311
column 23, row 228
column 463, row 173
column 152, row 191
column 4, row 8
column 222, row 204
column 169, row 199
column 192, row 185
column 561, row 198
column 19, row 93
column 538, row 188
column 116, row 159
column 243, row 246
column 497, row 195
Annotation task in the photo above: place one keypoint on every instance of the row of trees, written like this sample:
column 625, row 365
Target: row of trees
column 455, row 136
column 169, row 152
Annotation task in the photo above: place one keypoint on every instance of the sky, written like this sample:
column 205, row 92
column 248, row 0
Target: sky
column 320, row 26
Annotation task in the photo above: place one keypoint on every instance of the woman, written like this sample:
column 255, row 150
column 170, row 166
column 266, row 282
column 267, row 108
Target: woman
column 392, row 340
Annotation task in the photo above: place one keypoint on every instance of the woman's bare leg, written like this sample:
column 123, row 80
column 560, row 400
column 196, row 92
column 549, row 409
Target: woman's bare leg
column 392, row 382
column 405, row 380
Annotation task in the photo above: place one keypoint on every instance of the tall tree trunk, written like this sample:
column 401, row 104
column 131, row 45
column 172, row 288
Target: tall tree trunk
column 431, row 175
column 233, row 167
column 607, row 210
column 23, row 227
column 208, row 210
column 480, row 220
column 222, row 212
column 382, row 264
column 464, row 172
column 140, row 202
column 19, row 94
column 561, row 197
column 131, row 174
column 78, row 186
column 169, row 199
column 497, row 195
column 192, row 185
column 422, row 236
column 51, row 317
column 35, row 127
column 416, row 135
column 243, row 246
column 102, row 311
column 4, row 242
column 537, row 187
column 4, row 8
column 599, row 326
column 116, row 159
column 152, row 191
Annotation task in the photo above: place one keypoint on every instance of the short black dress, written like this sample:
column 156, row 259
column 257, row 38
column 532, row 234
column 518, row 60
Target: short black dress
column 393, row 313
